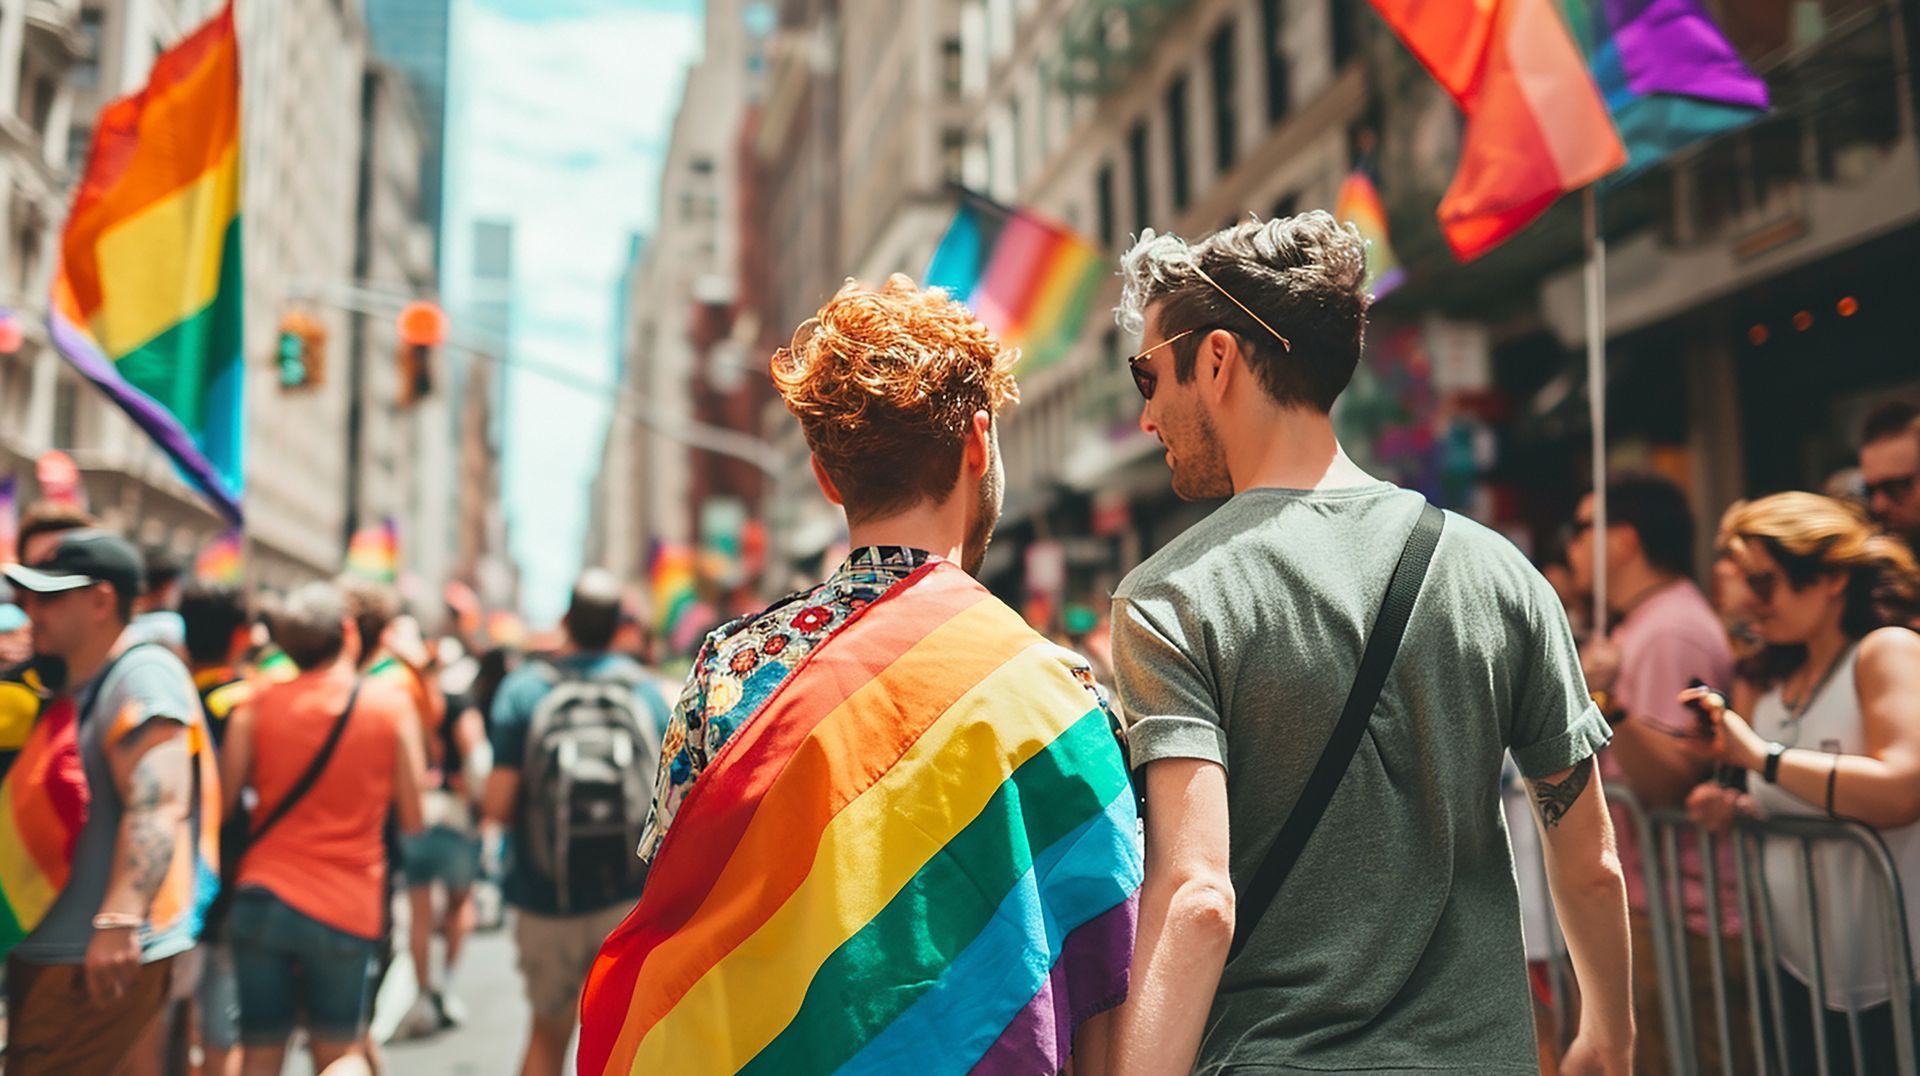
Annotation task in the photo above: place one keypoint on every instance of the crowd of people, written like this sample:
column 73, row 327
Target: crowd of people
column 1257, row 830
column 257, row 786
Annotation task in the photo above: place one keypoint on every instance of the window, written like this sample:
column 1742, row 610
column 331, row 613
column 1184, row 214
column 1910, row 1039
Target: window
column 45, row 91
column 1273, row 44
column 1013, row 141
column 1103, row 205
column 1181, row 150
column 1345, row 41
column 953, row 154
column 66, row 413
column 1226, row 117
column 950, row 66
column 1287, row 206
column 1137, row 172
column 79, row 144
column 85, row 72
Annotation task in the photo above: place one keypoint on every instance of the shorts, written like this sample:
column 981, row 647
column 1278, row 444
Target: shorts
column 556, row 952
column 219, row 997
column 287, row 964
column 442, row 855
column 53, row 1028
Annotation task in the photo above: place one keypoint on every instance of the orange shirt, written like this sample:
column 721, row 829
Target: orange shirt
column 326, row 858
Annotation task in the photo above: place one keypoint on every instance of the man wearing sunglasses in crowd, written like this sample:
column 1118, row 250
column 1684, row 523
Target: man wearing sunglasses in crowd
column 1665, row 637
column 1392, row 944
column 1890, row 469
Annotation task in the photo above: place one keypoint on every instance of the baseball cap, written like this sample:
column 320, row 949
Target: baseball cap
column 83, row 558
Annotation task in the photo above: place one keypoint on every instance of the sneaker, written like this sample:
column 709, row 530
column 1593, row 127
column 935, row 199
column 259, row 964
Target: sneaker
column 422, row 1019
column 452, row 1012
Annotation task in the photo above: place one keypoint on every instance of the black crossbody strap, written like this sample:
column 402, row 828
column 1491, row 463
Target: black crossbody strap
column 1382, row 646
column 314, row 770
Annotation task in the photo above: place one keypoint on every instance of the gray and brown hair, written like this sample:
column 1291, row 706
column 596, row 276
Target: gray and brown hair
column 310, row 625
column 1304, row 277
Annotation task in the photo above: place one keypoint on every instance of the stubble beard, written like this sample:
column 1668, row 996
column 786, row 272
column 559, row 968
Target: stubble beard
column 973, row 551
column 1200, row 471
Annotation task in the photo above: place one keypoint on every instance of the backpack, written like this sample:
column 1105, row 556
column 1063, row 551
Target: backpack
column 587, row 785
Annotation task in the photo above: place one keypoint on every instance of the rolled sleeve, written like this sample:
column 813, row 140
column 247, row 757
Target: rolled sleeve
column 1165, row 691
column 1583, row 737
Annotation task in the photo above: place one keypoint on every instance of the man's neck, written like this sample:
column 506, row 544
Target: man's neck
column 1295, row 449
column 938, row 529
column 1633, row 583
column 89, row 658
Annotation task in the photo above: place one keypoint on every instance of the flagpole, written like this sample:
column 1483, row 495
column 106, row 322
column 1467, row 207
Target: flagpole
column 1596, row 280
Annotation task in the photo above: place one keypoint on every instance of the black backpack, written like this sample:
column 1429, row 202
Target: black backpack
column 586, row 786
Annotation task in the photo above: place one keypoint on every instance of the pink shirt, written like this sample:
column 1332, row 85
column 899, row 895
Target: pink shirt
column 1669, row 639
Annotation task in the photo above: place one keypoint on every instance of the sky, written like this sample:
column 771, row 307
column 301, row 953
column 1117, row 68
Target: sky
column 559, row 114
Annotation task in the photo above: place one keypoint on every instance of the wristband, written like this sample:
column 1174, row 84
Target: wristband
column 1771, row 769
column 117, row 921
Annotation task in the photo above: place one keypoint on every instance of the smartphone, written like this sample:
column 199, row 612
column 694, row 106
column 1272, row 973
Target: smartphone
column 1703, row 717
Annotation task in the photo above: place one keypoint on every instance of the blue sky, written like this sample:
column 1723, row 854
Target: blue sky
column 558, row 118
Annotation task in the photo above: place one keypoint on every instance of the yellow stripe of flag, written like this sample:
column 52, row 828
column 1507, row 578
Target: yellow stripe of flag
column 162, row 266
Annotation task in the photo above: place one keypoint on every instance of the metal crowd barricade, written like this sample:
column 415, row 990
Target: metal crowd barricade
column 1658, row 833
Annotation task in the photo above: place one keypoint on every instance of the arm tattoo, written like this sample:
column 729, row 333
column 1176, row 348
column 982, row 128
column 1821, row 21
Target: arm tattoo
column 156, row 795
column 1553, row 801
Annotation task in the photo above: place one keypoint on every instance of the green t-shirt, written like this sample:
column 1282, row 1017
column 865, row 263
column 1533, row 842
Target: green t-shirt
column 1396, row 944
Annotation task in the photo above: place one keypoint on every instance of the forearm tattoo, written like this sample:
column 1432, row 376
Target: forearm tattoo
column 1554, row 799
column 156, row 792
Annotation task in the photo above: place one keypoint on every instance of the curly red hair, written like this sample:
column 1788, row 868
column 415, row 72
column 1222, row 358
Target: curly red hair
column 885, row 382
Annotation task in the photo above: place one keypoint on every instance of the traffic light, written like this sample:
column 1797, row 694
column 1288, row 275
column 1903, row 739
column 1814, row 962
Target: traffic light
column 422, row 327
column 301, row 356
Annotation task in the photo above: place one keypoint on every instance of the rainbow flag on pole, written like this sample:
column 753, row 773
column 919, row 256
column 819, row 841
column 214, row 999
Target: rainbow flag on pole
column 374, row 552
column 1359, row 202
column 675, row 586
column 1028, row 279
column 920, row 853
column 43, row 803
column 221, row 560
column 147, row 300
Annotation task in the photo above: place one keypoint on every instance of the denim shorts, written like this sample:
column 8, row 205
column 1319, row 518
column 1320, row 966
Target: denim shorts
column 290, row 965
column 441, row 855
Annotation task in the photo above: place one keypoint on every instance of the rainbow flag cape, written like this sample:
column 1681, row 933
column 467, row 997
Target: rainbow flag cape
column 43, row 803
column 1360, row 203
column 1028, row 279
column 1669, row 77
column 919, row 854
column 220, row 561
column 374, row 552
column 147, row 300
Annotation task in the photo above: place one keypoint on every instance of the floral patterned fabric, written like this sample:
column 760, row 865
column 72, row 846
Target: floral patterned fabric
column 742, row 664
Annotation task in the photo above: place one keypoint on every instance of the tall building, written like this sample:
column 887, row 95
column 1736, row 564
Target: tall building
column 412, row 37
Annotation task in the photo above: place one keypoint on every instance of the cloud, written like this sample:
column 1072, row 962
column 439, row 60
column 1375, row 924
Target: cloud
column 563, row 111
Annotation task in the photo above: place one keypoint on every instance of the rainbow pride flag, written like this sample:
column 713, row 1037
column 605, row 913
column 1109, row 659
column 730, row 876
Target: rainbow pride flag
column 1028, row 279
column 221, row 561
column 147, row 300
column 1360, row 203
column 670, row 573
column 43, row 803
column 374, row 552
column 919, row 853
column 1667, row 73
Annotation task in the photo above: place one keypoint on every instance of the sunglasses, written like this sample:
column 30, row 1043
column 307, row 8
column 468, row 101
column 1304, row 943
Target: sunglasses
column 1147, row 381
column 1893, row 489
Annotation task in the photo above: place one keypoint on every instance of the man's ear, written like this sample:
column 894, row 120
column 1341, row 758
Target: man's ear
column 825, row 480
column 1216, row 364
column 978, row 448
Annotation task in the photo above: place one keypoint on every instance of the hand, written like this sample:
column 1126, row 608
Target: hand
column 113, row 960
column 1734, row 741
column 1600, row 660
column 1586, row 1057
column 1715, row 806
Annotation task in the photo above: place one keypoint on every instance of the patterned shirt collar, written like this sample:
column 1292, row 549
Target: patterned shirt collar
column 886, row 564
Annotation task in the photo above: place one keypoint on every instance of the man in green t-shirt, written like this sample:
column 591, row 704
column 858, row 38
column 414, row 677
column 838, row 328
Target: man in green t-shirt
column 1394, row 945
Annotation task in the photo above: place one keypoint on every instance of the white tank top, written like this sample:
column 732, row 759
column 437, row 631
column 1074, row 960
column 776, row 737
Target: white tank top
column 1854, row 940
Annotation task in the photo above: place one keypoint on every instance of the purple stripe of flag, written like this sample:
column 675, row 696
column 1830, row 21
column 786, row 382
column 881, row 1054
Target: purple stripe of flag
column 146, row 412
column 1089, row 978
column 1673, row 46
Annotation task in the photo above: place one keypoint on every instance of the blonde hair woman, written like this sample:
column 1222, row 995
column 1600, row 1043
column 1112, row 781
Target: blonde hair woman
column 1835, row 731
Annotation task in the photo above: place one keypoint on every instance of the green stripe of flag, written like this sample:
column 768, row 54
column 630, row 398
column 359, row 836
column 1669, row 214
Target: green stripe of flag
column 178, row 367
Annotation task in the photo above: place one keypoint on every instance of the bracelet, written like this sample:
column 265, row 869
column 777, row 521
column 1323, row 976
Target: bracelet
column 118, row 921
column 1833, row 777
column 1771, row 768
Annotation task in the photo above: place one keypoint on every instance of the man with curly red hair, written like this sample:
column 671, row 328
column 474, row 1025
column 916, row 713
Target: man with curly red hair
column 888, row 812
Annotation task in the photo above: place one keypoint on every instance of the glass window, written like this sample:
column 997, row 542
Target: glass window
column 1273, row 45
column 1137, row 172
column 950, row 66
column 1181, row 150
column 1226, row 87
column 1103, row 204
